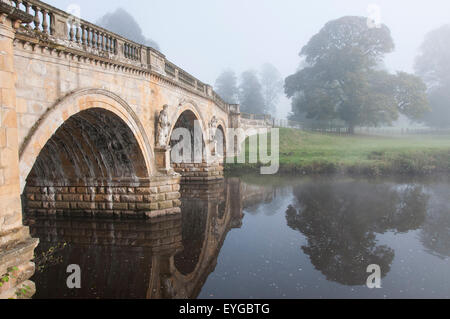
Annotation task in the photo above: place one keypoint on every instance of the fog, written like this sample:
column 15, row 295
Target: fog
column 205, row 37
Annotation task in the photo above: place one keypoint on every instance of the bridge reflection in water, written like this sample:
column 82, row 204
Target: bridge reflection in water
column 163, row 257
column 302, row 238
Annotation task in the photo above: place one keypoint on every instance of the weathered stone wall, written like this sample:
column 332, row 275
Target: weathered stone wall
column 45, row 77
column 155, row 233
column 127, row 200
column 199, row 171
column 16, row 246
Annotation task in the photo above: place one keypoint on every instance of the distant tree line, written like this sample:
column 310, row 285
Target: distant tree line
column 256, row 92
column 433, row 66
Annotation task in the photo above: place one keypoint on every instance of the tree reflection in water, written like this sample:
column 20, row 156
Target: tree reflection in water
column 435, row 234
column 340, row 221
column 174, row 256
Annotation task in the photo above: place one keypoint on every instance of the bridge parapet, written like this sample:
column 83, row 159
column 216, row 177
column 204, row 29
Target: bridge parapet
column 59, row 30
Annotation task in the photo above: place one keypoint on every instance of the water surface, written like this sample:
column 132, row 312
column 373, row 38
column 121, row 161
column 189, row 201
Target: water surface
column 261, row 237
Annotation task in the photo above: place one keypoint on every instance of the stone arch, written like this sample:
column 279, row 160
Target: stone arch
column 190, row 270
column 74, row 104
column 184, row 107
column 221, row 134
column 215, row 232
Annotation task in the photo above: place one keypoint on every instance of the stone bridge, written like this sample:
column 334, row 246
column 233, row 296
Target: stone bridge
column 172, row 255
column 80, row 117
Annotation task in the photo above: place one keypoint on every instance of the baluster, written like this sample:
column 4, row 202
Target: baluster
column 93, row 41
column 36, row 20
column 77, row 32
column 94, row 38
column 52, row 23
column 71, row 33
column 88, row 36
column 27, row 10
column 107, row 43
column 111, row 44
column 83, row 35
column 104, row 41
column 111, row 47
column 99, row 40
column 44, row 22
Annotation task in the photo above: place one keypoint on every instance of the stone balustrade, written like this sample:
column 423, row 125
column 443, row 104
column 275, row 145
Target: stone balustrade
column 53, row 25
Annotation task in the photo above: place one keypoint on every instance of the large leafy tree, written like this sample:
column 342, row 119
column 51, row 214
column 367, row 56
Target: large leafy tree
column 250, row 93
column 433, row 66
column 342, row 79
column 226, row 86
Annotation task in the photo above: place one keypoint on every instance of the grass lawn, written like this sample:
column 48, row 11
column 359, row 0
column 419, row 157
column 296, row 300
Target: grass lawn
column 305, row 152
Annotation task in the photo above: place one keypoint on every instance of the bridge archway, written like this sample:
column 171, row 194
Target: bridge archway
column 94, row 145
column 220, row 142
column 196, row 167
column 188, row 120
column 110, row 106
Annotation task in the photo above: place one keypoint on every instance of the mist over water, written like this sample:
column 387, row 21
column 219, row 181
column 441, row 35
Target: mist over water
column 264, row 237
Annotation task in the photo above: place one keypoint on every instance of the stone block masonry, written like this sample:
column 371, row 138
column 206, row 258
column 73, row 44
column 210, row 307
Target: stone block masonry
column 157, row 233
column 199, row 171
column 16, row 245
column 144, row 199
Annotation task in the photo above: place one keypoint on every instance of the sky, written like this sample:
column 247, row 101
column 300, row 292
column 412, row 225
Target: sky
column 205, row 37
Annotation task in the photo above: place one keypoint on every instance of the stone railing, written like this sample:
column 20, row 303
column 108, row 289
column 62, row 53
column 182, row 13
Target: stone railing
column 258, row 117
column 256, row 121
column 54, row 26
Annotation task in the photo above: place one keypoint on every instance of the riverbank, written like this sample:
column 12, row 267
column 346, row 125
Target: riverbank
column 305, row 153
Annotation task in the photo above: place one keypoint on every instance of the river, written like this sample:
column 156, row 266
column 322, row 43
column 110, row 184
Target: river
column 261, row 237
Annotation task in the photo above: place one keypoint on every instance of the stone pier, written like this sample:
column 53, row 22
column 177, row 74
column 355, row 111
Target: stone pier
column 16, row 245
column 199, row 172
column 127, row 199
column 79, row 108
